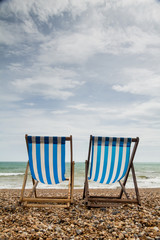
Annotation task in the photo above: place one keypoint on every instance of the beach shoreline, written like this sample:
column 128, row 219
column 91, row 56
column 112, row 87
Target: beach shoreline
column 127, row 221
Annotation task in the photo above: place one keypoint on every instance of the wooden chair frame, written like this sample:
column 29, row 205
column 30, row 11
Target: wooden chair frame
column 36, row 201
column 103, row 201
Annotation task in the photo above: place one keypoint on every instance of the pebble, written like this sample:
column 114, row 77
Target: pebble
column 113, row 222
column 103, row 209
column 157, row 208
column 121, row 236
column 156, row 229
column 78, row 231
column 58, row 229
column 115, row 212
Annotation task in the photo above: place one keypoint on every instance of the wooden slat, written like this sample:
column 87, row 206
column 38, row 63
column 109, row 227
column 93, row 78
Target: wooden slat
column 46, row 200
column 109, row 197
column 134, row 139
column 68, row 138
column 53, row 197
column 113, row 200
column 46, row 205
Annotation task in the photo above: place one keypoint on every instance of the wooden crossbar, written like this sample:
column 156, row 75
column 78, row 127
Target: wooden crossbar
column 46, row 205
column 53, row 197
column 104, row 197
column 115, row 200
column 60, row 200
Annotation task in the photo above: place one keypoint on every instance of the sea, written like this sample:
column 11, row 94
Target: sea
column 12, row 174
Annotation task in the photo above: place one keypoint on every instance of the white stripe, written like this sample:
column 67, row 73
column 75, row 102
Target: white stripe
column 51, row 160
column 34, row 158
column 116, row 160
column 43, row 169
column 94, row 158
column 123, row 158
column 59, row 159
column 109, row 160
column 102, row 159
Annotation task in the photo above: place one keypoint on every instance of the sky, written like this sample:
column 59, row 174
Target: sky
column 79, row 68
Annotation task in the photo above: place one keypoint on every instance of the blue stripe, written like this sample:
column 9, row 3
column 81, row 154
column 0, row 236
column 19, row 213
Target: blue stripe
column 38, row 157
column 63, row 157
column 112, row 160
column 105, row 160
column 46, row 155
column 29, row 138
column 127, row 157
column 55, row 168
column 119, row 159
column 92, row 158
column 98, row 158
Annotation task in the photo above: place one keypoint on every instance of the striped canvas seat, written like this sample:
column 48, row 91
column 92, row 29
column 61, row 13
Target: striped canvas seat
column 47, row 159
column 47, row 165
column 109, row 159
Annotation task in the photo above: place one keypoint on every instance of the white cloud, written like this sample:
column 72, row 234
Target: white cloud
column 102, row 27
column 56, row 83
column 73, row 46
column 102, row 30
column 9, row 97
column 60, row 112
column 140, row 81
column 6, row 36
column 145, row 114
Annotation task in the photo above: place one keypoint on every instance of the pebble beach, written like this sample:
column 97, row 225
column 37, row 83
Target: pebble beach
column 113, row 222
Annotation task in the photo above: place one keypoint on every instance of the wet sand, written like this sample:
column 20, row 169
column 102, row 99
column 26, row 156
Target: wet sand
column 114, row 222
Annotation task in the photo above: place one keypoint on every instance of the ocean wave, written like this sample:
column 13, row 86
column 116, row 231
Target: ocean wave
column 143, row 177
column 10, row 174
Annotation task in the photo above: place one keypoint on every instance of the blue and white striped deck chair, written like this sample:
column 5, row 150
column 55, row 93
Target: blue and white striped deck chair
column 47, row 165
column 110, row 159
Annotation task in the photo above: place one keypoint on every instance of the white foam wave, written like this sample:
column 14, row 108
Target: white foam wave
column 11, row 174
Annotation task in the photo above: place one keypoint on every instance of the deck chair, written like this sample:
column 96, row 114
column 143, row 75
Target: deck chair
column 111, row 161
column 47, row 165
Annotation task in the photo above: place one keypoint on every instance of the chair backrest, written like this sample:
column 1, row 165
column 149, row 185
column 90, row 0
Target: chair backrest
column 47, row 158
column 109, row 159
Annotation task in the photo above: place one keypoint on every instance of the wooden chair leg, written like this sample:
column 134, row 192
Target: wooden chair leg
column 129, row 167
column 86, row 179
column 24, row 182
column 72, row 182
column 69, row 192
column 86, row 193
column 124, row 189
column 33, row 189
column 135, row 184
column 35, row 193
